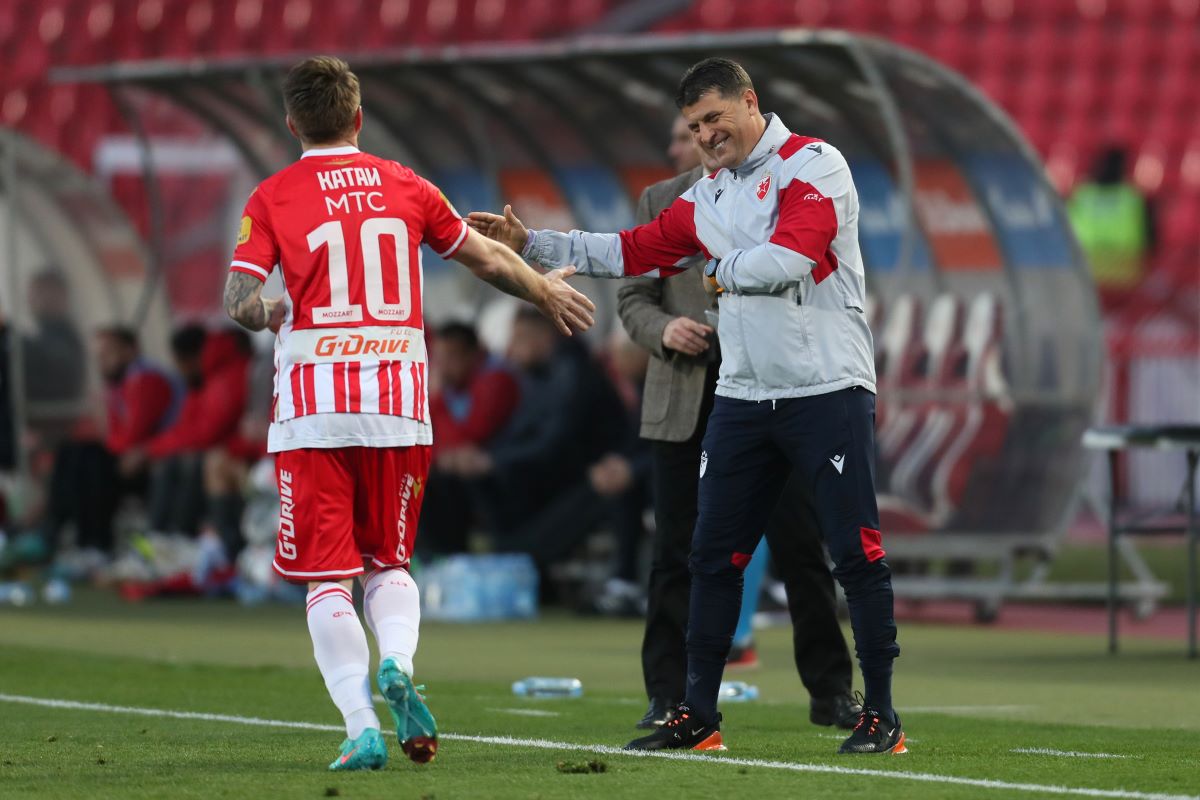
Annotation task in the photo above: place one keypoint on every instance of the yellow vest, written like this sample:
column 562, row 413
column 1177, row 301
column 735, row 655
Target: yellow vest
column 1110, row 222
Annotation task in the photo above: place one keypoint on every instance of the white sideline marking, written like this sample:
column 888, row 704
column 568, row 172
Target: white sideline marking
column 525, row 712
column 547, row 744
column 966, row 709
column 1042, row 751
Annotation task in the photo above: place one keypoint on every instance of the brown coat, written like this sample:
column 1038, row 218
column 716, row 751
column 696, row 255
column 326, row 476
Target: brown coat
column 674, row 381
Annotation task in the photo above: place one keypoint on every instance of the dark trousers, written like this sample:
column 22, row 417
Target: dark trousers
column 177, row 502
column 749, row 451
column 85, row 488
column 819, row 647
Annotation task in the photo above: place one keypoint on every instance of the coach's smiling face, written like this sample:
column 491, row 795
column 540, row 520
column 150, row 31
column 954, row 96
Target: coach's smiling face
column 726, row 128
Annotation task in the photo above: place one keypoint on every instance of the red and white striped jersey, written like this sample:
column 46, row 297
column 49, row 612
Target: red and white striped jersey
column 345, row 230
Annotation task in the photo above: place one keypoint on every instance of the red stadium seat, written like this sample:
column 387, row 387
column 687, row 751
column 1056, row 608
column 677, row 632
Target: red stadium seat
column 1047, row 12
column 954, row 46
column 1178, row 217
column 1037, row 96
column 1083, row 92
column 983, row 422
column 1042, row 51
column 1184, row 10
column 815, row 13
column 1181, row 46
column 933, row 416
column 998, row 48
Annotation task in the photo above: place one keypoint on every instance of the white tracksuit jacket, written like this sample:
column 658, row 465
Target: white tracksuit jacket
column 784, row 225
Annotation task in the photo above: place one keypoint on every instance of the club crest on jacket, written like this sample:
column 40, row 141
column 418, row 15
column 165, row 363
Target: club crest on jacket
column 764, row 186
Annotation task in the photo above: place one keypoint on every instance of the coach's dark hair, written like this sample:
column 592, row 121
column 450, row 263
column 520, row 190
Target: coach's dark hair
column 723, row 74
column 321, row 96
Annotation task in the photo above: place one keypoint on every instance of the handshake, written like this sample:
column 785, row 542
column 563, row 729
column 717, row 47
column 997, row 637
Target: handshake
column 568, row 309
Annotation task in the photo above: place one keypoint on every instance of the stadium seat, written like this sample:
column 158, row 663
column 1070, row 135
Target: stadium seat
column 1038, row 96
column 953, row 46
column 897, row 351
column 982, row 423
column 1177, row 222
column 814, row 13
column 936, row 407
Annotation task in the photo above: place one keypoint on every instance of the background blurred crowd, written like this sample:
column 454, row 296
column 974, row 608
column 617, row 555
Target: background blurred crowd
column 536, row 450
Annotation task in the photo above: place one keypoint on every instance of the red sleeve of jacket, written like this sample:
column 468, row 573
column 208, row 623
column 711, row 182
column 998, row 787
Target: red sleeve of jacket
column 209, row 417
column 663, row 243
column 147, row 397
column 494, row 396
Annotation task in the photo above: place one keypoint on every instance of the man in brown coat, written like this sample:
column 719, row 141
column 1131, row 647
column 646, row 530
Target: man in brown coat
column 668, row 318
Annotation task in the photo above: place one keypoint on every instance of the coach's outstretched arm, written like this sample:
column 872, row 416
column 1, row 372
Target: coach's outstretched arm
column 657, row 249
column 491, row 261
column 246, row 305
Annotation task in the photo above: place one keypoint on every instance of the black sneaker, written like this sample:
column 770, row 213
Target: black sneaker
column 682, row 732
column 841, row 710
column 659, row 712
column 874, row 734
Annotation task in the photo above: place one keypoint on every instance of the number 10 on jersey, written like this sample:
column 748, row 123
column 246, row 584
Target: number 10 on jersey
column 330, row 235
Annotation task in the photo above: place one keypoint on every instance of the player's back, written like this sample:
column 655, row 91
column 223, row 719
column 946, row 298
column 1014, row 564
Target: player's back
column 345, row 228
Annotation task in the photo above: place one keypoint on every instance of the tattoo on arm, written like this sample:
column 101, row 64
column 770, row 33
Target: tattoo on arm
column 514, row 276
column 243, row 301
column 508, row 285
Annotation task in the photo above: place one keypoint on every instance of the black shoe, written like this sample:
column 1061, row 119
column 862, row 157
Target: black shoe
column 874, row 734
column 682, row 732
column 658, row 713
column 841, row 710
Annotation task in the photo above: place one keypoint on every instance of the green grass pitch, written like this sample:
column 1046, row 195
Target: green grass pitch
column 972, row 699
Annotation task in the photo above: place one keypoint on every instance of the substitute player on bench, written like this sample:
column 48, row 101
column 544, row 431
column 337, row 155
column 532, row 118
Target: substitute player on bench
column 351, row 425
column 778, row 223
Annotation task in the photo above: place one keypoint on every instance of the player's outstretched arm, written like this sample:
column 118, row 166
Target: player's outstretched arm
column 500, row 266
column 245, row 304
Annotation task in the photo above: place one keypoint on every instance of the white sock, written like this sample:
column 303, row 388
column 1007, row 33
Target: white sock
column 340, row 647
column 392, row 606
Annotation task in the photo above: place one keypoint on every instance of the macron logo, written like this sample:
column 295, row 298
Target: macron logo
column 717, row 196
column 839, row 462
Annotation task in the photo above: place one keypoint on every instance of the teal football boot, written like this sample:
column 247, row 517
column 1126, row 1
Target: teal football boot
column 366, row 752
column 415, row 726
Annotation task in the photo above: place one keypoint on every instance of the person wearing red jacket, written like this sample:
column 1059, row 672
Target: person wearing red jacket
column 212, row 411
column 141, row 398
column 476, row 395
column 209, row 417
column 91, row 477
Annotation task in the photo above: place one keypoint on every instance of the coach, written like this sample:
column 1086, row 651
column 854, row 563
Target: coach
column 664, row 316
column 778, row 224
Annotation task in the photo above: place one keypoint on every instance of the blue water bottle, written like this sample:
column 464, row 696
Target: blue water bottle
column 736, row 692
column 548, row 687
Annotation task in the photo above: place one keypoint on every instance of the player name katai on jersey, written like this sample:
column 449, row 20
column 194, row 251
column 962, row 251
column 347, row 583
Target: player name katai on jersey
column 351, row 178
column 348, row 177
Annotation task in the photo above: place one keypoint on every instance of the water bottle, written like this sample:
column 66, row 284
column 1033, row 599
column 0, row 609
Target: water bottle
column 736, row 692
column 16, row 594
column 56, row 591
column 548, row 687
